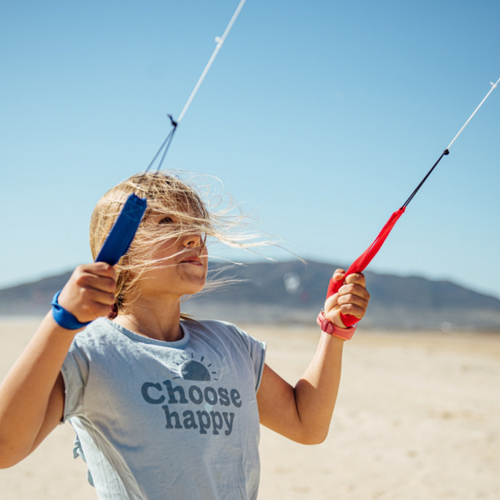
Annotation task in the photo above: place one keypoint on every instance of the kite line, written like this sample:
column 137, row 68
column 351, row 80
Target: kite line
column 220, row 42
column 360, row 264
column 123, row 231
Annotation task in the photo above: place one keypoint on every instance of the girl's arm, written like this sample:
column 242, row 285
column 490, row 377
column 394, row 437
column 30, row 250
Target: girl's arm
column 32, row 394
column 303, row 413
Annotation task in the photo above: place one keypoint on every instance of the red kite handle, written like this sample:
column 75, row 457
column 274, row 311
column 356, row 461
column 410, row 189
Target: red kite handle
column 361, row 263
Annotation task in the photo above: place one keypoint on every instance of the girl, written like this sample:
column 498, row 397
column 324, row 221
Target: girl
column 164, row 406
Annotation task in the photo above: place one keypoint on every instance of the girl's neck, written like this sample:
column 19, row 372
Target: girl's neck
column 151, row 318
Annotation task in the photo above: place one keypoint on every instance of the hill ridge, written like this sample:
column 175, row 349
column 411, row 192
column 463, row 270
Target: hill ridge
column 294, row 291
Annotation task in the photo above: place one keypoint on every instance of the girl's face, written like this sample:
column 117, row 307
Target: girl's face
column 181, row 263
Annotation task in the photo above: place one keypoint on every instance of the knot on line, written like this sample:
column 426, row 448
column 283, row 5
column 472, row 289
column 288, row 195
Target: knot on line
column 172, row 121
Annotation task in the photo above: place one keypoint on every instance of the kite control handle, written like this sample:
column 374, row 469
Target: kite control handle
column 123, row 231
column 364, row 259
column 360, row 264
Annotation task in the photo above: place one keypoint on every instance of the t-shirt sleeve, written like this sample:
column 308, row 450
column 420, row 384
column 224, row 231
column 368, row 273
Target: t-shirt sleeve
column 75, row 372
column 257, row 351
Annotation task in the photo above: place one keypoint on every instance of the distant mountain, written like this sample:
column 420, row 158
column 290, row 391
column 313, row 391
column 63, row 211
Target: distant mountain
column 293, row 292
column 31, row 299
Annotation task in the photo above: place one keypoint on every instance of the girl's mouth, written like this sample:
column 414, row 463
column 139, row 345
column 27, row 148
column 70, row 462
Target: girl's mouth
column 193, row 261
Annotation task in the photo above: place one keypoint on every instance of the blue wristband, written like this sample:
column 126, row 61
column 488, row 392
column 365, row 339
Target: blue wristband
column 64, row 318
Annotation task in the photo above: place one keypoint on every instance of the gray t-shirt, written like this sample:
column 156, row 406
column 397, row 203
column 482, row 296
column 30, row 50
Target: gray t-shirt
column 166, row 420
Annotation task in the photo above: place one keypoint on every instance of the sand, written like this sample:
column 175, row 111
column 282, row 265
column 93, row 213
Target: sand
column 417, row 418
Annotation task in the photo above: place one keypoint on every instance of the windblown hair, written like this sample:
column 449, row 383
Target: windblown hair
column 167, row 197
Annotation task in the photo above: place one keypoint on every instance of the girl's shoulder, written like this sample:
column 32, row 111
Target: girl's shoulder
column 99, row 329
column 104, row 337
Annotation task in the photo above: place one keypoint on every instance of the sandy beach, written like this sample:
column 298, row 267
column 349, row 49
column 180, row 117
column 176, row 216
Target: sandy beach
column 417, row 418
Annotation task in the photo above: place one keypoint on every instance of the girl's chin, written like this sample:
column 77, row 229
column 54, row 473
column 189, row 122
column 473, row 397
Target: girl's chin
column 195, row 286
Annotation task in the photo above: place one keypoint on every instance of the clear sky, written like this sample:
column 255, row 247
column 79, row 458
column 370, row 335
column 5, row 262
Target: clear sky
column 321, row 116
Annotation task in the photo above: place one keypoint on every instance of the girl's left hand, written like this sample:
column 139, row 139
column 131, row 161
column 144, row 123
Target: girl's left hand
column 352, row 298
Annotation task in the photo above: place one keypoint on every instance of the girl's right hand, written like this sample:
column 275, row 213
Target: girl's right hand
column 90, row 292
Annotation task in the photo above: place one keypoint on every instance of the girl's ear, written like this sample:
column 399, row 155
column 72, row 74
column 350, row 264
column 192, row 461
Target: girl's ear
column 114, row 312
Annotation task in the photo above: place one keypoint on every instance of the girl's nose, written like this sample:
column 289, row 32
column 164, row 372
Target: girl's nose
column 192, row 240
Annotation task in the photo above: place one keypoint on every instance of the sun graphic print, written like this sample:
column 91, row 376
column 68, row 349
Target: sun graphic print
column 196, row 370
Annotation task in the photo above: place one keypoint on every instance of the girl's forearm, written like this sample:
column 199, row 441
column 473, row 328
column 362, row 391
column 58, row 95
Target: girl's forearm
column 27, row 388
column 303, row 413
column 316, row 392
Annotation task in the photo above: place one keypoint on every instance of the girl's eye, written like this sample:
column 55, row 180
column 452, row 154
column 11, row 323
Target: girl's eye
column 166, row 220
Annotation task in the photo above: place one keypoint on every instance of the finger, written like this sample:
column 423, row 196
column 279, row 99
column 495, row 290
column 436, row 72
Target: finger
column 338, row 275
column 98, row 275
column 100, row 269
column 94, row 304
column 330, row 303
column 105, row 284
column 353, row 289
column 357, row 278
column 353, row 310
column 93, row 296
column 344, row 300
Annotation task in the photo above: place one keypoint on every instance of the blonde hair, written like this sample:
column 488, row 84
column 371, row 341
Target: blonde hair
column 167, row 197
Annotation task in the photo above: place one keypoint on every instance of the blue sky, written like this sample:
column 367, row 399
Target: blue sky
column 320, row 116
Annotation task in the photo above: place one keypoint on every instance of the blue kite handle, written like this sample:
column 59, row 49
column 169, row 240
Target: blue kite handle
column 123, row 231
